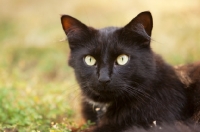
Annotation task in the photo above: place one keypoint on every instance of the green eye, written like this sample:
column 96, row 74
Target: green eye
column 89, row 60
column 122, row 59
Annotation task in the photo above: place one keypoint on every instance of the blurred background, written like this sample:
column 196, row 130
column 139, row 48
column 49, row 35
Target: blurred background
column 37, row 88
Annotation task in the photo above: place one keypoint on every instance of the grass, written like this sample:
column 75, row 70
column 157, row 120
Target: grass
column 38, row 91
column 33, row 91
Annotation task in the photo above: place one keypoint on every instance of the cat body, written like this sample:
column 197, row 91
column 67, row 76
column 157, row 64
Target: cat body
column 190, row 76
column 119, row 73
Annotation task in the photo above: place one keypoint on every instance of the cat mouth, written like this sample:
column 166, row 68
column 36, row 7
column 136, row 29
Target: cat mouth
column 94, row 91
column 102, row 96
column 103, row 91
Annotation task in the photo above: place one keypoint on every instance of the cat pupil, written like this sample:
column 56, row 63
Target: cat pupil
column 122, row 59
column 89, row 60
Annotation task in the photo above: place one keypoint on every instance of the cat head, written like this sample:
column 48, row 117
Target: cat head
column 113, row 62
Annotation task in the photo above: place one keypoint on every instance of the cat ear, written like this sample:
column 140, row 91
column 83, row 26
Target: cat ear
column 143, row 19
column 71, row 24
column 75, row 30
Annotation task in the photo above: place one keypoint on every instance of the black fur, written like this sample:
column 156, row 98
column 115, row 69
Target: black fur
column 144, row 90
column 190, row 76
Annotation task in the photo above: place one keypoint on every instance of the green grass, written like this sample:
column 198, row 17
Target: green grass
column 34, row 88
column 38, row 91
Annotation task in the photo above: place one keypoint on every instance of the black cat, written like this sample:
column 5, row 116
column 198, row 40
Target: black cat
column 190, row 76
column 119, row 74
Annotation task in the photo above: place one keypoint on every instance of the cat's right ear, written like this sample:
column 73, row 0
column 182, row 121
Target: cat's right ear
column 71, row 24
column 74, row 29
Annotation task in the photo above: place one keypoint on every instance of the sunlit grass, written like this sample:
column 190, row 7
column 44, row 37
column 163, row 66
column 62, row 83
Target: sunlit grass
column 36, row 87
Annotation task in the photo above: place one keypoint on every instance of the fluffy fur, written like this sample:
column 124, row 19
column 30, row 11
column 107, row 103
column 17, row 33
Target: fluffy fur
column 136, row 94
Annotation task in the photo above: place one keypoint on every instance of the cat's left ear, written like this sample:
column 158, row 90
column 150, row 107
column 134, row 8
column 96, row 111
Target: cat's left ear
column 145, row 19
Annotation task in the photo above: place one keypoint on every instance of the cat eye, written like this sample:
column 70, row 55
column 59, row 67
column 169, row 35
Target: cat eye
column 122, row 59
column 89, row 60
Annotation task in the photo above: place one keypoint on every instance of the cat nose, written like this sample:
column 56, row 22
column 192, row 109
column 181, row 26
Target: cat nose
column 104, row 77
column 104, row 80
